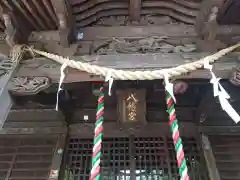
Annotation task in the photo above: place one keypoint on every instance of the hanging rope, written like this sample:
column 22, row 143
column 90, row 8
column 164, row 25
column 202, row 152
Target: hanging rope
column 97, row 142
column 136, row 75
column 173, row 123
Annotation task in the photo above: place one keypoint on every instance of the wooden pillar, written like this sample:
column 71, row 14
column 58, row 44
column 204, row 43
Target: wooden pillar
column 5, row 98
column 210, row 159
column 57, row 157
column 13, row 36
column 135, row 10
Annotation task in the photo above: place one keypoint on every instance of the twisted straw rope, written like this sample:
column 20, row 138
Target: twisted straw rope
column 136, row 75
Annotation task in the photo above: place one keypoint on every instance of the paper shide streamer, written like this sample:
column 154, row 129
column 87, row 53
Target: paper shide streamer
column 221, row 93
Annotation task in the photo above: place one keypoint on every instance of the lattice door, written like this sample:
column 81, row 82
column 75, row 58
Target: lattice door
column 133, row 158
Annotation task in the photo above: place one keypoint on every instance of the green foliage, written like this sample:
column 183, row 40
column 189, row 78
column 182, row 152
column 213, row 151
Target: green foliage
column 68, row 174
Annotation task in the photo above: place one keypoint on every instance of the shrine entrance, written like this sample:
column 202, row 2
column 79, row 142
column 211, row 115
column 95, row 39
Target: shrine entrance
column 140, row 158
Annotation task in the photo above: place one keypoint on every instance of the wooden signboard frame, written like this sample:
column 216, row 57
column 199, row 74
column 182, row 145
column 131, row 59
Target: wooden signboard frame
column 131, row 107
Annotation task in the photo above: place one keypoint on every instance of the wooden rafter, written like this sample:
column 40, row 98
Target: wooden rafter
column 65, row 21
column 135, row 9
column 16, row 31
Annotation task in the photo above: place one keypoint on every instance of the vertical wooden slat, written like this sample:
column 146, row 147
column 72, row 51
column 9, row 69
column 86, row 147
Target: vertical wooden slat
column 132, row 153
column 57, row 157
column 210, row 159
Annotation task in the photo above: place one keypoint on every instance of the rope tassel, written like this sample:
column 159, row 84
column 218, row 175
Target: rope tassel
column 177, row 140
column 97, row 142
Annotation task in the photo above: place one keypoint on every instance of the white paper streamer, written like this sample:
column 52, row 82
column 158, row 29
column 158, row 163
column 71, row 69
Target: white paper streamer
column 109, row 79
column 226, row 106
column 60, row 83
column 222, row 94
column 169, row 87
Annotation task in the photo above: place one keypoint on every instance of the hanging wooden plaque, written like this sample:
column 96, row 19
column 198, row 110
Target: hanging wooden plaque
column 132, row 107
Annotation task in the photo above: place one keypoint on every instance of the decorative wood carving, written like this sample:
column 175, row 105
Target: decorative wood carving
column 131, row 108
column 143, row 45
column 29, row 85
column 143, row 21
column 5, row 66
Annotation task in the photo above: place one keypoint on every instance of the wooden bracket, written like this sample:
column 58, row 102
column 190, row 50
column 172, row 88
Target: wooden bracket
column 206, row 26
column 15, row 30
column 206, row 18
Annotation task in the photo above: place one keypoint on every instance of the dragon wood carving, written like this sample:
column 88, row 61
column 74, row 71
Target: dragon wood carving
column 143, row 45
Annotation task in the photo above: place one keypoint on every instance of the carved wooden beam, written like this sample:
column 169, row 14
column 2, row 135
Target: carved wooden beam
column 42, row 67
column 103, row 33
column 135, row 10
column 65, row 18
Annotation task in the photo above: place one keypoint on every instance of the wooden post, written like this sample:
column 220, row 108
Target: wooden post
column 57, row 157
column 135, row 9
column 5, row 98
column 210, row 159
column 65, row 18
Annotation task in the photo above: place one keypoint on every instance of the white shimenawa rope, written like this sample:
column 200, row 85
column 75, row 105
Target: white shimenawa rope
column 136, row 75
